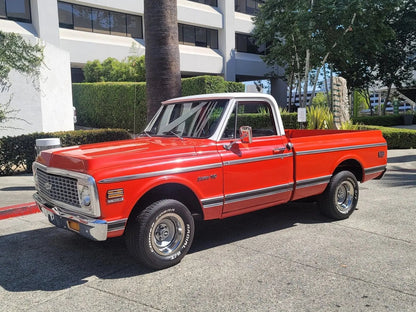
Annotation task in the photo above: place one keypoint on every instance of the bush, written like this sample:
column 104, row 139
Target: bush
column 290, row 120
column 319, row 117
column 131, row 69
column 18, row 153
column 396, row 138
column 385, row 121
column 123, row 104
column 111, row 105
column 209, row 84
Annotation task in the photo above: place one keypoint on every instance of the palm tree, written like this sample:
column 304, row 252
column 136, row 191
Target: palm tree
column 163, row 76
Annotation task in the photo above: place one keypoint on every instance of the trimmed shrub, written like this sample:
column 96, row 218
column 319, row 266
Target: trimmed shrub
column 18, row 153
column 111, row 105
column 290, row 120
column 385, row 121
column 123, row 104
column 396, row 138
column 209, row 84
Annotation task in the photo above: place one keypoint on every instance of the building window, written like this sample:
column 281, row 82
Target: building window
column 198, row 36
column 213, row 3
column 17, row 10
column 101, row 21
column 246, row 43
column 82, row 18
column 248, row 6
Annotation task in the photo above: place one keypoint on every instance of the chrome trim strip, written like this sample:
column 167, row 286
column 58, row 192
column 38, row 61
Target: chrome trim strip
column 338, row 149
column 375, row 169
column 232, row 198
column 313, row 182
column 212, row 202
column 256, row 159
column 159, row 173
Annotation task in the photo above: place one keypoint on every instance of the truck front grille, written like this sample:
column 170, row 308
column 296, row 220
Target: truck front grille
column 58, row 188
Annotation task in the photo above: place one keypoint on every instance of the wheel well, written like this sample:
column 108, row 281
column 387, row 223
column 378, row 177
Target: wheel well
column 353, row 166
column 175, row 191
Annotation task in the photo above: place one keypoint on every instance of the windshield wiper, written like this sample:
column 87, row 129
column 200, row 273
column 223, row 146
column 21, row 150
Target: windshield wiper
column 174, row 133
column 146, row 133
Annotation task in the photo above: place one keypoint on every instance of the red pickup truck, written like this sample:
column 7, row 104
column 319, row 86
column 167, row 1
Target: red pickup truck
column 201, row 157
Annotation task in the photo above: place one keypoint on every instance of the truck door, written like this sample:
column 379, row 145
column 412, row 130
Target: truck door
column 257, row 174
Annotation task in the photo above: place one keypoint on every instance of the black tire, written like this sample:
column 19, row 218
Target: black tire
column 340, row 197
column 161, row 235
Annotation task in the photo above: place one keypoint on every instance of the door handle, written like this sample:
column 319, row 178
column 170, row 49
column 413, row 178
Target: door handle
column 282, row 148
column 279, row 149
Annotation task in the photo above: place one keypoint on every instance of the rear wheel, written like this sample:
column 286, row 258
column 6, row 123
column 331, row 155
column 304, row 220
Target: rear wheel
column 340, row 197
column 161, row 235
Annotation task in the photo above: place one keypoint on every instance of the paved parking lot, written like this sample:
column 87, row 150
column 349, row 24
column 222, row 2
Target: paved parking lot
column 286, row 258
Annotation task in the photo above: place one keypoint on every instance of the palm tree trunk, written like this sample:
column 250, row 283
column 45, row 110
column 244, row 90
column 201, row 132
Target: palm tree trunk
column 163, row 75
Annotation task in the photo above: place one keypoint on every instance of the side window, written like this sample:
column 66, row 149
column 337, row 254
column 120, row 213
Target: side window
column 257, row 115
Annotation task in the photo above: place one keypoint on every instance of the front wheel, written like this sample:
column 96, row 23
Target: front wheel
column 161, row 235
column 340, row 197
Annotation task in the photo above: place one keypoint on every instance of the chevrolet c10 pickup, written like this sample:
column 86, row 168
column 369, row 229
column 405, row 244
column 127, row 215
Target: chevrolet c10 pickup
column 201, row 157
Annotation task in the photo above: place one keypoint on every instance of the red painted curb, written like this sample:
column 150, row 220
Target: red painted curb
column 18, row 210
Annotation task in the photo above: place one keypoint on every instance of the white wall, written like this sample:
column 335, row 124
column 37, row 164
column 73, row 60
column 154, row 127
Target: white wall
column 44, row 104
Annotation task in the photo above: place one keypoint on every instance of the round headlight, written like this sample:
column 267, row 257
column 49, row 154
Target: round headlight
column 85, row 197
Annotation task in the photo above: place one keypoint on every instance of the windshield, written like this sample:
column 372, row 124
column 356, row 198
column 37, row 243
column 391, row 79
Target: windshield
column 197, row 119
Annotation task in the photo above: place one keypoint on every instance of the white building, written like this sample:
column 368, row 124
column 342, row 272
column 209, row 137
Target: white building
column 214, row 38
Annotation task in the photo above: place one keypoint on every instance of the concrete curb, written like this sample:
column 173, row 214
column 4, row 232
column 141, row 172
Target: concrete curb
column 18, row 210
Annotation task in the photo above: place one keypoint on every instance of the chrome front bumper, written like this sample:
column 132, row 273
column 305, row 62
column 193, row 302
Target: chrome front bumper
column 93, row 229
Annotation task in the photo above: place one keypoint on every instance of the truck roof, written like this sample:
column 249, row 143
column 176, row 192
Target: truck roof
column 231, row 95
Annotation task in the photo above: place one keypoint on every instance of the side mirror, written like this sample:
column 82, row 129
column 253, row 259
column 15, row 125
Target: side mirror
column 246, row 134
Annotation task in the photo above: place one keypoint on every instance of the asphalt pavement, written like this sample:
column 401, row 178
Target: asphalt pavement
column 286, row 258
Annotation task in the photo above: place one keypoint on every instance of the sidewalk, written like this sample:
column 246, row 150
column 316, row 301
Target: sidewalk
column 16, row 196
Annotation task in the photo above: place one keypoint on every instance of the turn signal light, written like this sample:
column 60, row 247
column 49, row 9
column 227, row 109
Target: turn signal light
column 115, row 196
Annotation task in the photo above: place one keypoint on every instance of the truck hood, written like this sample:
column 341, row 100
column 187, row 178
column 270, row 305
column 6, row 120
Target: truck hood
column 87, row 158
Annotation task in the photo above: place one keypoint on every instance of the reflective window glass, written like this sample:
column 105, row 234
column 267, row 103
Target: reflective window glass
column 200, row 37
column 188, row 35
column 134, row 26
column 65, row 15
column 18, row 10
column 3, row 9
column 82, row 18
column 100, row 21
column 118, row 23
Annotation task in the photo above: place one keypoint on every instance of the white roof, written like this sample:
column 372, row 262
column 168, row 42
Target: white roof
column 231, row 95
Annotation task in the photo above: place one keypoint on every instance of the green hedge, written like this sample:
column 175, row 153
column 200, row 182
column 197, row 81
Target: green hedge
column 290, row 120
column 123, row 104
column 111, row 105
column 385, row 121
column 17, row 153
column 396, row 138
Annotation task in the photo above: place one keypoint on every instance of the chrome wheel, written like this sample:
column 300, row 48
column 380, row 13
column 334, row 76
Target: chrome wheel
column 168, row 234
column 345, row 197
column 340, row 197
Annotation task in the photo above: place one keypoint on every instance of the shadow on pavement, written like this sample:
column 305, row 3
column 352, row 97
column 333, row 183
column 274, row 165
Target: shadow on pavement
column 51, row 259
column 401, row 159
column 400, row 178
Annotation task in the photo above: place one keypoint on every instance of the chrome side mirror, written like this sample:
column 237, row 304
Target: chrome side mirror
column 246, row 136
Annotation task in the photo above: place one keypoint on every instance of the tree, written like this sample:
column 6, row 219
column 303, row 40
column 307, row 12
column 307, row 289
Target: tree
column 397, row 69
column 130, row 69
column 163, row 76
column 305, row 35
column 20, row 55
